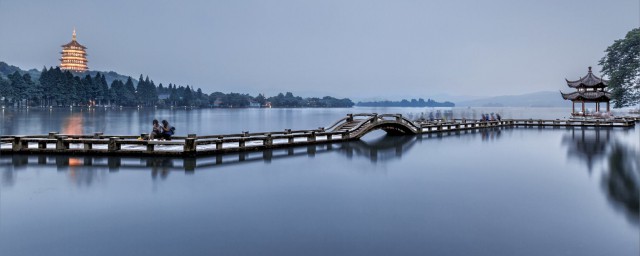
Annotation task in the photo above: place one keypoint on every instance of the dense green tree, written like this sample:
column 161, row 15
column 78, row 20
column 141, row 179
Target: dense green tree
column 622, row 64
column 6, row 91
column 35, row 92
column 261, row 99
column 129, row 93
column 85, row 92
column 187, row 97
column 19, row 88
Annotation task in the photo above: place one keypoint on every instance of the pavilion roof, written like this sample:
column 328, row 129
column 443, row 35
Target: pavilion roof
column 590, row 80
column 592, row 95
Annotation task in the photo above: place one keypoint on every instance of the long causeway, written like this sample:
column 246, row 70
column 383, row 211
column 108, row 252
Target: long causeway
column 351, row 127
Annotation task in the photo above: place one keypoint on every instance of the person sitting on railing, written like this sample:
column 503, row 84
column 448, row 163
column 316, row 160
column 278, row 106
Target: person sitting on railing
column 167, row 130
column 156, row 131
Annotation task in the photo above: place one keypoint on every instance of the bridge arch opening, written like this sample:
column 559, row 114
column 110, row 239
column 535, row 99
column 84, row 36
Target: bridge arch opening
column 392, row 129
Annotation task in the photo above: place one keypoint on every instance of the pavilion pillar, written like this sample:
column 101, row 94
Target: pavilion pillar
column 598, row 106
column 583, row 113
column 608, row 107
column 573, row 107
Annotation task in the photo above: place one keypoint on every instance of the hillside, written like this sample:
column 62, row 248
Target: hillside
column 6, row 69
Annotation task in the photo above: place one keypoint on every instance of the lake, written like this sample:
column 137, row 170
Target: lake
column 506, row 191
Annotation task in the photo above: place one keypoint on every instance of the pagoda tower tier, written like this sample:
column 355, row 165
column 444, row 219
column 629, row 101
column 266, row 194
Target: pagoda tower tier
column 74, row 56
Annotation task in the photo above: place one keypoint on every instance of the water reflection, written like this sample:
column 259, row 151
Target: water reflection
column 621, row 166
column 622, row 181
column 83, row 170
column 587, row 145
column 594, row 148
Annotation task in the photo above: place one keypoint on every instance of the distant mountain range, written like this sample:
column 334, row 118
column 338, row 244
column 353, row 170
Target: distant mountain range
column 6, row 69
column 536, row 99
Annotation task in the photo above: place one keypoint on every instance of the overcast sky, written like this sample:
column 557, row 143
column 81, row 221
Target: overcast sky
column 359, row 49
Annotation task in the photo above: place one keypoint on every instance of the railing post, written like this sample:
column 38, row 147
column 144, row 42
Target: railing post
column 17, row 144
column 290, row 139
column 287, row 131
column 190, row 144
column 52, row 135
column 192, row 135
column 399, row 118
column 87, row 145
column 349, row 117
column 329, row 136
column 42, row 144
column 241, row 143
column 268, row 141
column 346, row 135
column 97, row 135
column 245, row 133
column 61, row 143
column 311, row 137
column 113, row 144
column 150, row 146
column 219, row 144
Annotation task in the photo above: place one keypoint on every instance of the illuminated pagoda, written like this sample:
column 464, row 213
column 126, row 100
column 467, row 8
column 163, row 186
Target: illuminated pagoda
column 74, row 56
column 589, row 89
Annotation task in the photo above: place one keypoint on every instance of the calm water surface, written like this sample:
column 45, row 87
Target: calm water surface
column 511, row 191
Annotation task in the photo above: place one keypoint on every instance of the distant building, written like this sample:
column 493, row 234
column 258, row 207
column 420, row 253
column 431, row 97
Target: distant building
column 254, row 104
column 217, row 103
column 74, row 56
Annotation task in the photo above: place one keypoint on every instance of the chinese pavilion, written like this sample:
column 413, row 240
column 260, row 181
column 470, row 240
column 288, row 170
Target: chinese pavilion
column 589, row 89
column 74, row 56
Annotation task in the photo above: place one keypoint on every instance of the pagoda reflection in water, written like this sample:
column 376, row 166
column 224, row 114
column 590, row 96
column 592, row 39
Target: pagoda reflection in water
column 620, row 163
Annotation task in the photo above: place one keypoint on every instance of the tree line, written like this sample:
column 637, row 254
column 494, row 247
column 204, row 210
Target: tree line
column 56, row 87
column 406, row 103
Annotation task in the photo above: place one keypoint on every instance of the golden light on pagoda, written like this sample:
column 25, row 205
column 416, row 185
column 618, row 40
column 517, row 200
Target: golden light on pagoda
column 74, row 56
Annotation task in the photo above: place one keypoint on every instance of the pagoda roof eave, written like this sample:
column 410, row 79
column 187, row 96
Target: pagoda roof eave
column 599, row 95
column 588, row 81
column 74, row 43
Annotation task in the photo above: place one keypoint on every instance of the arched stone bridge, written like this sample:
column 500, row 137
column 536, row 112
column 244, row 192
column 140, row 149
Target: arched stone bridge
column 358, row 125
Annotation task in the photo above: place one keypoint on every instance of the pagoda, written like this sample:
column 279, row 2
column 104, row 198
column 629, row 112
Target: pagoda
column 74, row 56
column 589, row 89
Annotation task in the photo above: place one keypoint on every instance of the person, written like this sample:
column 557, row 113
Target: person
column 167, row 130
column 498, row 117
column 156, row 131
